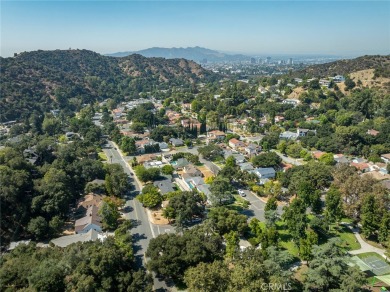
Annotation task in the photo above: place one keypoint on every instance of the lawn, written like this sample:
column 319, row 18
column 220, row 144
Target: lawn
column 286, row 239
column 345, row 234
column 369, row 254
column 102, row 156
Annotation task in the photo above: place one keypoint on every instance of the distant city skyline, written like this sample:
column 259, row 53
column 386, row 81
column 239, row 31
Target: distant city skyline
column 349, row 28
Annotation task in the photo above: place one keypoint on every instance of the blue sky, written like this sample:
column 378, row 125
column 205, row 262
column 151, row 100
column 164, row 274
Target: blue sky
column 252, row 27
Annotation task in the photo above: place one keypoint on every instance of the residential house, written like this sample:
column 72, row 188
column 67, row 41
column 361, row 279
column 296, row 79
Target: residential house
column 252, row 149
column 180, row 163
column 372, row 132
column 91, row 235
column 340, row 158
column 239, row 158
column 339, row 78
column 88, row 201
column 246, row 166
column 303, row 132
column 317, row 154
column 192, row 170
column 176, row 142
column 145, row 158
column 215, row 135
column 324, row 82
column 362, row 166
column 30, row 155
column 141, row 144
column 291, row 101
column 236, row 144
column 265, row 172
column 288, row 135
column 163, row 146
column 279, row 119
column 90, row 221
column 165, row 186
column 386, row 157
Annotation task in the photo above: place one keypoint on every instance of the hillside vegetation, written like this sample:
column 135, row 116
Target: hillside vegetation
column 381, row 65
column 42, row 80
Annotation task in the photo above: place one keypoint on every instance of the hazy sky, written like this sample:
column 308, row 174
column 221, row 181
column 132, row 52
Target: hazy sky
column 252, row 27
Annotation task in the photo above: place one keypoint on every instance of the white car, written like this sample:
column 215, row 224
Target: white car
column 241, row 193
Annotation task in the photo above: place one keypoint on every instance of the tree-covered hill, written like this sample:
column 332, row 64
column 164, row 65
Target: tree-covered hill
column 381, row 64
column 42, row 80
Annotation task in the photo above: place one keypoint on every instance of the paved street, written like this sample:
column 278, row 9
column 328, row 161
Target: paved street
column 256, row 208
column 287, row 159
column 143, row 230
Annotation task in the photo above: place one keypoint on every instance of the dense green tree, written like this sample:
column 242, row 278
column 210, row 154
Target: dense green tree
column 38, row 227
column 269, row 159
column 210, row 152
column 128, row 145
column 117, row 182
column 172, row 254
column 109, row 214
column 224, row 220
column 150, row 197
column 296, row 219
column 370, row 217
column 334, row 205
column 221, row 191
column 183, row 207
column 145, row 175
column 329, row 268
column 167, row 169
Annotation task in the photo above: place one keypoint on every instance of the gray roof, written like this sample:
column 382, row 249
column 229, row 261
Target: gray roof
column 91, row 217
column 205, row 189
column 264, row 171
column 163, row 145
column 165, row 186
column 64, row 241
column 246, row 166
column 175, row 141
column 14, row 244
column 197, row 181
column 181, row 162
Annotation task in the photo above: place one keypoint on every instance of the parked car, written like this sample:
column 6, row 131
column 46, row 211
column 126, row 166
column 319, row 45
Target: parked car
column 241, row 193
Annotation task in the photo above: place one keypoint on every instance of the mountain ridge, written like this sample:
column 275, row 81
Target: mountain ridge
column 43, row 80
column 197, row 54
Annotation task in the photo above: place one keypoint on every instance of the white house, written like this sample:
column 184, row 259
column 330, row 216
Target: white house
column 339, row 78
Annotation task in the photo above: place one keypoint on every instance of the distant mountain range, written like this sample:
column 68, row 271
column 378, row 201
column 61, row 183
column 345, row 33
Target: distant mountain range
column 196, row 54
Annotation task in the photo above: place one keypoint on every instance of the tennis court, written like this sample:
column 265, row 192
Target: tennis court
column 378, row 266
column 373, row 264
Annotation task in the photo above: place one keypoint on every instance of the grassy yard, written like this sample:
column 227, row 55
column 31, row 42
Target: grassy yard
column 349, row 240
column 286, row 239
column 369, row 254
column 102, row 156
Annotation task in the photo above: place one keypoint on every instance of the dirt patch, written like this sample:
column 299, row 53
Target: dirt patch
column 156, row 217
column 296, row 93
column 205, row 171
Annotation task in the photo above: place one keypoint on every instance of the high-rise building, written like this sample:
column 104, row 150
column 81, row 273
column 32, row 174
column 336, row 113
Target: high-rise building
column 253, row 61
column 290, row 61
column 260, row 61
column 268, row 60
